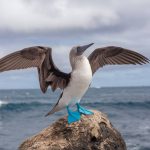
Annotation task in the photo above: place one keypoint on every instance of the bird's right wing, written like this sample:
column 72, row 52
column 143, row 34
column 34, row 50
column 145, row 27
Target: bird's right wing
column 25, row 58
column 40, row 57
column 56, row 78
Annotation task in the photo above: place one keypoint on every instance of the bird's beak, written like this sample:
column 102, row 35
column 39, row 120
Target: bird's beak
column 81, row 49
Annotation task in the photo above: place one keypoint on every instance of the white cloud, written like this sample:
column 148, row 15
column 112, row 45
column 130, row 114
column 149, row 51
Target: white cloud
column 28, row 16
column 62, row 24
column 42, row 15
column 2, row 53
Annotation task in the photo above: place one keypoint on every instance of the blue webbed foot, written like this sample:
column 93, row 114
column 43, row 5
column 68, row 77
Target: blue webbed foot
column 84, row 110
column 73, row 116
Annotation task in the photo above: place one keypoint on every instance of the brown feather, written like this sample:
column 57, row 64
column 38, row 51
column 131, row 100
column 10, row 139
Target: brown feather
column 114, row 55
column 40, row 57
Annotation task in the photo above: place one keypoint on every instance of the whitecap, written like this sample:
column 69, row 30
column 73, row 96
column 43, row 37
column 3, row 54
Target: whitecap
column 3, row 103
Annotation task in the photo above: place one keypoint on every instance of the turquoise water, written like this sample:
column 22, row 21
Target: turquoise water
column 22, row 113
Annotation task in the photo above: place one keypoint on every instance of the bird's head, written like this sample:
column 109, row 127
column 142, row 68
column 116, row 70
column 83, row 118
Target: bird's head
column 79, row 50
column 77, row 53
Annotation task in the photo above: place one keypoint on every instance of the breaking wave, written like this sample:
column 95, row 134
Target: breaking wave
column 22, row 106
column 3, row 103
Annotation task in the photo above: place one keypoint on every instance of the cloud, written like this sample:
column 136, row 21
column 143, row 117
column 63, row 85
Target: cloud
column 124, row 76
column 1, row 54
column 38, row 16
column 75, row 22
column 29, row 16
column 62, row 24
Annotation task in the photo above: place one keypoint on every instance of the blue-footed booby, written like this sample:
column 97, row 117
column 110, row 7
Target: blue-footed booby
column 73, row 84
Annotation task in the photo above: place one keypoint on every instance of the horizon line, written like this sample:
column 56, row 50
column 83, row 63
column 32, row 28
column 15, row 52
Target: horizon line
column 89, row 87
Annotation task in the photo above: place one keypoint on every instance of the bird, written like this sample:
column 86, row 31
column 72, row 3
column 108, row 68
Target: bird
column 75, row 83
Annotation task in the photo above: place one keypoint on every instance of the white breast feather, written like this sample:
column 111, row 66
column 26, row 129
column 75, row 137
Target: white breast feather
column 80, row 80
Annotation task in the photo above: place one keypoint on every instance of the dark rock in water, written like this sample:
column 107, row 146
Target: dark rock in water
column 94, row 132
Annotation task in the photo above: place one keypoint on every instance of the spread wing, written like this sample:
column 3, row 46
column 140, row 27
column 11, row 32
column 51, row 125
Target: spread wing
column 56, row 78
column 41, row 58
column 26, row 58
column 114, row 56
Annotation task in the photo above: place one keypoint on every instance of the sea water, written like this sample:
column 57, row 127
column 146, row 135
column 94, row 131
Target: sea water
column 22, row 113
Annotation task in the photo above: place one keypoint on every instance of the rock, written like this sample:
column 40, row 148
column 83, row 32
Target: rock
column 94, row 132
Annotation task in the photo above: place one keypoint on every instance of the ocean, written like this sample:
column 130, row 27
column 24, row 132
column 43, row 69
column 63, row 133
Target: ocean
column 128, row 108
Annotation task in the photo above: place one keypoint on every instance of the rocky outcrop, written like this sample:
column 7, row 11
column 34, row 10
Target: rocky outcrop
column 94, row 132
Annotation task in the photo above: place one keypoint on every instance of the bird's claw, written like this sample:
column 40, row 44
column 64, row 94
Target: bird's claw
column 84, row 110
column 73, row 116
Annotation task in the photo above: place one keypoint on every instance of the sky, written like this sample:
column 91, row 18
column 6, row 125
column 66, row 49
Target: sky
column 62, row 24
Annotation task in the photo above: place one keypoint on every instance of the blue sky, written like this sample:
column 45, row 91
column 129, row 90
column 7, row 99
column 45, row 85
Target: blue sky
column 62, row 24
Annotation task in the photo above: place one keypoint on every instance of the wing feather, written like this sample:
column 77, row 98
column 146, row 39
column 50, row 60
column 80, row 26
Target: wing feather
column 114, row 56
column 40, row 57
column 22, row 59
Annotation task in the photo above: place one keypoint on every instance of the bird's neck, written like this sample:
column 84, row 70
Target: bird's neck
column 81, row 63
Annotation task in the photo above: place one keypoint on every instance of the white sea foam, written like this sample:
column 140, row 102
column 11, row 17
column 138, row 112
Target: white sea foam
column 3, row 102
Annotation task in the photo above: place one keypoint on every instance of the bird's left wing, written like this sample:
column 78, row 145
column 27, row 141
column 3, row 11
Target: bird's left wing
column 112, row 55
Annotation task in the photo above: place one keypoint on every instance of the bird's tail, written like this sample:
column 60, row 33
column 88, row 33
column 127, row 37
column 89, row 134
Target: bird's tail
column 58, row 106
column 49, row 113
column 55, row 109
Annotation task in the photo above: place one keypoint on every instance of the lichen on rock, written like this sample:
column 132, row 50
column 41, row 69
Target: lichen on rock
column 93, row 132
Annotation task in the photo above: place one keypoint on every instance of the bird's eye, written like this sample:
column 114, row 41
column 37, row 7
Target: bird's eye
column 78, row 49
